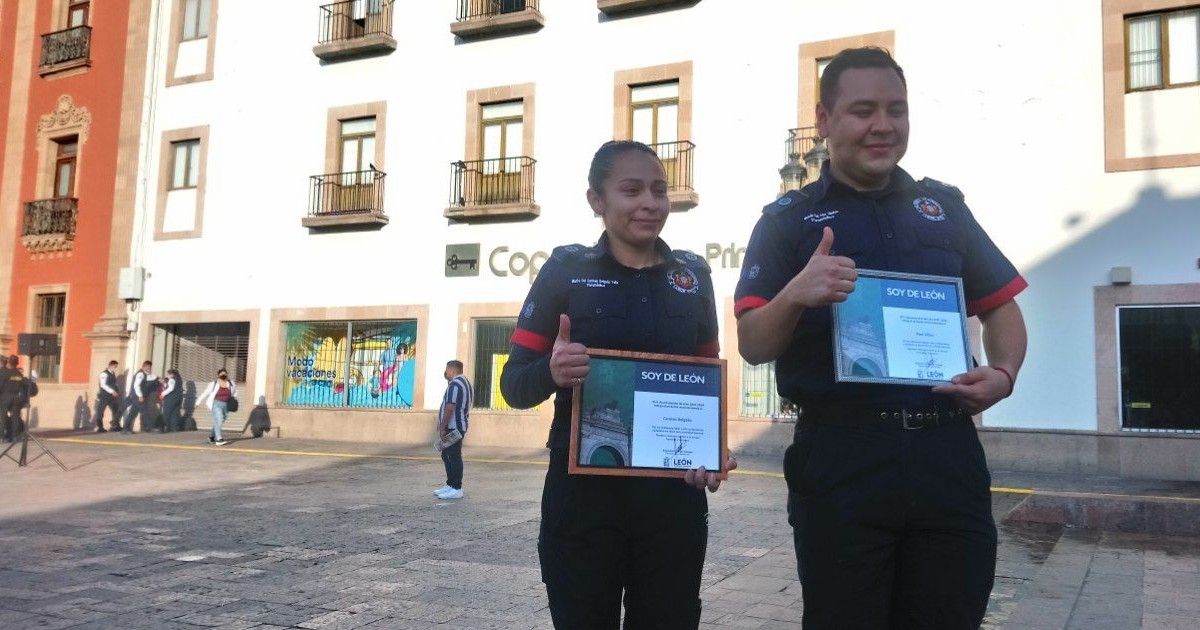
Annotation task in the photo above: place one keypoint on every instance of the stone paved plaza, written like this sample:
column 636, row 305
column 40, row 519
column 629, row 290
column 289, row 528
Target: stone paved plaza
column 152, row 531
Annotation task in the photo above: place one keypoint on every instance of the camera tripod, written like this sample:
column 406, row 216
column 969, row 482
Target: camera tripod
column 23, row 440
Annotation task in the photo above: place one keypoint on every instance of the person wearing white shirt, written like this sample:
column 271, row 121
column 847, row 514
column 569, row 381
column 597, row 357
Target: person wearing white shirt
column 172, row 400
column 137, row 397
column 107, row 398
column 217, row 397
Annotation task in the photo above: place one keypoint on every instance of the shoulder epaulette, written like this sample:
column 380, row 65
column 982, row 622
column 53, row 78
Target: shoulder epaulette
column 934, row 184
column 786, row 201
column 570, row 253
column 691, row 260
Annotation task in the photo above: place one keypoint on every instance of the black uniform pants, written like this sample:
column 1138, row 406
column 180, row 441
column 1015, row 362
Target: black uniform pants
column 602, row 537
column 893, row 528
column 452, row 458
column 133, row 409
column 10, row 416
column 105, row 401
column 170, row 414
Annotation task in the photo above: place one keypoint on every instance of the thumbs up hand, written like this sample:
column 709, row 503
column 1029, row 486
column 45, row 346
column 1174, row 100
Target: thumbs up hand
column 825, row 279
column 568, row 361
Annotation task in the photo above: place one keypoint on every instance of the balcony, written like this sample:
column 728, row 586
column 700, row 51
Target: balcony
column 50, row 224
column 65, row 50
column 804, row 151
column 483, row 18
column 489, row 189
column 346, row 200
column 677, row 161
column 354, row 28
column 615, row 7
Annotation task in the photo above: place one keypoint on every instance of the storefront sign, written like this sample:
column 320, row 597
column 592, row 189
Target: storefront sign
column 730, row 257
column 462, row 260
column 503, row 262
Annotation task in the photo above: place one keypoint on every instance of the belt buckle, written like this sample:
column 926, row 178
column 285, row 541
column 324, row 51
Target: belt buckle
column 905, row 417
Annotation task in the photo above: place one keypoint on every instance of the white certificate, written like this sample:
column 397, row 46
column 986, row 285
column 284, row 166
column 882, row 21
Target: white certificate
column 901, row 328
column 649, row 415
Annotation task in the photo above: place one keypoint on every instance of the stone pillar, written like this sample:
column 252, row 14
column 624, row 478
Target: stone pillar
column 110, row 337
column 11, row 208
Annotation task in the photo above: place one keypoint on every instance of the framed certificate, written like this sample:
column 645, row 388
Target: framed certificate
column 649, row 415
column 901, row 328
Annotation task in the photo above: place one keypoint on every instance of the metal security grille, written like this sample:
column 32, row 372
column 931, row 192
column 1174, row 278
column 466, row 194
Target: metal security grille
column 491, row 353
column 199, row 350
column 1159, row 368
column 760, row 397
column 51, row 313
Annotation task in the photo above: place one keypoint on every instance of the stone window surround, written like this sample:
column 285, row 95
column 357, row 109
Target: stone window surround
column 176, row 38
column 31, row 306
column 65, row 121
column 623, row 83
column 1106, row 299
column 625, row 80
column 145, row 338
column 333, row 132
column 476, row 99
column 165, row 169
column 806, row 115
column 467, row 313
column 281, row 316
column 1113, row 47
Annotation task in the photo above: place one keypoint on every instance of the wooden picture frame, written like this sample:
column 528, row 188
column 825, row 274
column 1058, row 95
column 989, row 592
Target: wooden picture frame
column 649, row 415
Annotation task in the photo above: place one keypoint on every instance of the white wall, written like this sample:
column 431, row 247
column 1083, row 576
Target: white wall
column 1162, row 122
column 1006, row 104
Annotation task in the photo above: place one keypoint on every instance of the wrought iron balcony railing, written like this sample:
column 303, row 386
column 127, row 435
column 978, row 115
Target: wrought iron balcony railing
column 677, row 160
column 481, row 9
column 354, row 19
column 492, row 182
column 72, row 44
column 341, row 194
column 799, row 142
column 50, row 223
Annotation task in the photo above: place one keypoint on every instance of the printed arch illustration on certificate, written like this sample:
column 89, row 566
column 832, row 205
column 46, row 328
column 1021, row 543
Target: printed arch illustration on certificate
column 652, row 415
column 901, row 328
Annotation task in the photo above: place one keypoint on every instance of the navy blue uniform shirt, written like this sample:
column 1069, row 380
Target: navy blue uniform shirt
column 668, row 308
column 914, row 227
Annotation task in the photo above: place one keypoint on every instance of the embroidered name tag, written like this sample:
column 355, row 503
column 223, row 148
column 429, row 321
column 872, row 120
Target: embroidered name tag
column 821, row 217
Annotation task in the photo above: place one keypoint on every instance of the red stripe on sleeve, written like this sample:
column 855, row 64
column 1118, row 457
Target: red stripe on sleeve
column 747, row 303
column 531, row 340
column 1004, row 294
column 709, row 349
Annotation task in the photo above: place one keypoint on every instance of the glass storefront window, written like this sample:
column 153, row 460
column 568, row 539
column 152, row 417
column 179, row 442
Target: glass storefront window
column 491, row 353
column 760, row 396
column 1159, row 363
column 350, row 364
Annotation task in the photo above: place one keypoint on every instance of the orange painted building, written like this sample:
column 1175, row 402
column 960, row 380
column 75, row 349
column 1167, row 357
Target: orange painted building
column 75, row 72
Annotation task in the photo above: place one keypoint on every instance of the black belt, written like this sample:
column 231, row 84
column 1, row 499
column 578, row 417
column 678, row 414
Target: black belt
column 905, row 417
